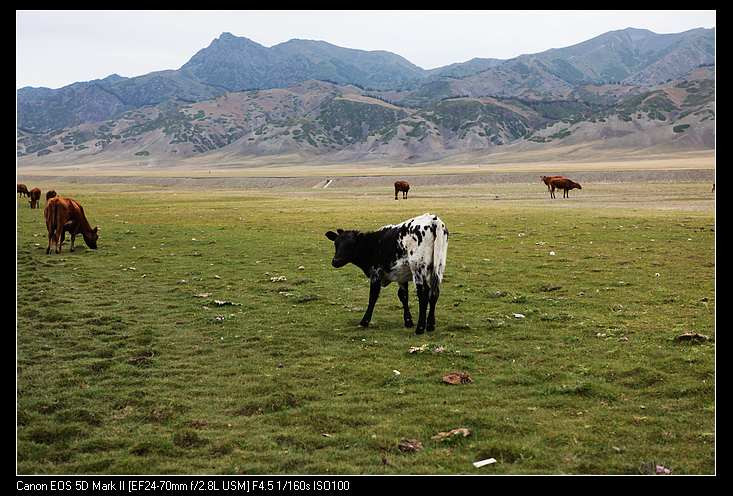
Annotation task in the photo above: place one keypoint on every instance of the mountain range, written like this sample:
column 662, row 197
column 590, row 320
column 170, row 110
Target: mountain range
column 236, row 97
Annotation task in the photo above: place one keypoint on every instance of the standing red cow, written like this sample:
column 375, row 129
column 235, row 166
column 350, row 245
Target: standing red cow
column 66, row 215
column 22, row 190
column 403, row 186
column 35, row 195
column 564, row 184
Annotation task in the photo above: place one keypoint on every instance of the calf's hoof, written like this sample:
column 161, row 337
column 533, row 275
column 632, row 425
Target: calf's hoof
column 419, row 330
column 364, row 323
column 430, row 328
column 409, row 323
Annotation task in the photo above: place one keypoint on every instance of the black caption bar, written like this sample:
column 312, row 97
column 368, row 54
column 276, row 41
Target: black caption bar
column 351, row 485
column 250, row 485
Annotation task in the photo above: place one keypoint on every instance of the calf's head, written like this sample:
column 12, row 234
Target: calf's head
column 91, row 237
column 345, row 244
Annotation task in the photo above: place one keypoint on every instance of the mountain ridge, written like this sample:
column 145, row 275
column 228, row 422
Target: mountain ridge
column 375, row 102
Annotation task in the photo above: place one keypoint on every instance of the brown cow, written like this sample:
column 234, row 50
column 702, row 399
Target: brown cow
column 35, row 195
column 50, row 194
column 403, row 186
column 22, row 190
column 564, row 184
column 546, row 180
column 66, row 215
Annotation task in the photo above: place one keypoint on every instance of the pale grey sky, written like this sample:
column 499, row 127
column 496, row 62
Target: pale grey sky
column 56, row 48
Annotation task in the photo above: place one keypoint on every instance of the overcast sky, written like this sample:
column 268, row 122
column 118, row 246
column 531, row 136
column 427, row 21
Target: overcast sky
column 56, row 48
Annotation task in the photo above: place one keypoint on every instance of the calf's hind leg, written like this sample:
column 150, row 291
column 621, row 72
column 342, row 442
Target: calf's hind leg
column 432, row 300
column 422, row 297
column 50, row 241
column 403, row 296
column 60, row 234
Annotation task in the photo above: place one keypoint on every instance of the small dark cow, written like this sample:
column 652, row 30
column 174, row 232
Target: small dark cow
column 414, row 250
column 50, row 194
column 403, row 186
column 35, row 195
column 546, row 180
column 564, row 184
column 22, row 190
column 66, row 215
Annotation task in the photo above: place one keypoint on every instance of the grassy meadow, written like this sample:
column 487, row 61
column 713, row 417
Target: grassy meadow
column 122, row 368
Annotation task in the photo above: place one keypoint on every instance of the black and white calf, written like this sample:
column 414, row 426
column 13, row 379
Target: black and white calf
column 414, row 250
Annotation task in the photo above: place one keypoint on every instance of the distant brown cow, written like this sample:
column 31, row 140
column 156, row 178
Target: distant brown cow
column 546, row 180
column 66, row 215
column 564, row 184
column 35, row 195
column 22, row 190
column 403, row 186
column 50, row 194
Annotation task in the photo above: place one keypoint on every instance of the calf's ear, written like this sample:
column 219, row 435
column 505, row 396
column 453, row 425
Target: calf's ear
column 332, row 235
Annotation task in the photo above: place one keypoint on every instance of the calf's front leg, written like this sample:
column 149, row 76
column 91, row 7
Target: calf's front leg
column 402, row 294
column 374, row 288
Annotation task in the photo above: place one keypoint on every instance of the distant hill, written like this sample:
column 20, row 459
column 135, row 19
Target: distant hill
column 343, row 122
column 630, row 56
column 236, row 97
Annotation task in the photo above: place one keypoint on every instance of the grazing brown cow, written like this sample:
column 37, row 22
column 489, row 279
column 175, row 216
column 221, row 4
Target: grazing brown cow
column 50, row 194
column 546, row 180
column 22, row 190
column 66, row 215
column 403, row 186
column 564, row 184
column 35, row 195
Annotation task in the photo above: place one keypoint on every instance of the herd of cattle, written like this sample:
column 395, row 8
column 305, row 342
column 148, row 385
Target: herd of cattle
column 63, row 215
column 414, row 250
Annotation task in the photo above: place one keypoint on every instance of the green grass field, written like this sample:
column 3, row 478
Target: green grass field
column 122, row 369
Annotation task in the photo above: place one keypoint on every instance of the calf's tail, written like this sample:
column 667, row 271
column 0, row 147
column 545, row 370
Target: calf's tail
column 50, row 214
column 440, row 250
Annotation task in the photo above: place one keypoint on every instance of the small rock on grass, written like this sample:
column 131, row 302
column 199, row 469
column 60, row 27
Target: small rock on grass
column 457, row 378
column 409, row 445
column 693, row 337
column 442, row 436
column 221, row 303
